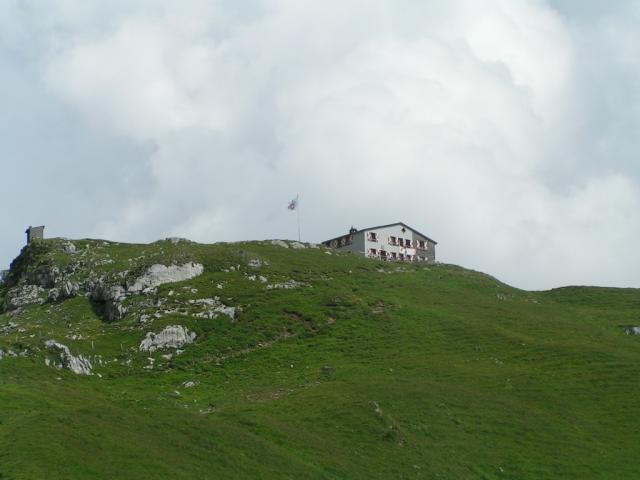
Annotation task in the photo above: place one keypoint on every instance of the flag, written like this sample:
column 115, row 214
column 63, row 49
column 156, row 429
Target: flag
column 293, row 204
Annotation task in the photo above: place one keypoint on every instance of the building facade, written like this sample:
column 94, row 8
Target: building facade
column 34, row 233
column 393, row 242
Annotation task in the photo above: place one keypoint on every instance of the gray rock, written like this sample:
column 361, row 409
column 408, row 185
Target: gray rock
column 69, row 289
column 280, row 243
column 44, row 276
column 632, row 330
column 160, row 274
column 24, row 295
column 212, row 307
column 189, row 384
column 1, row 354
column 69, row 247
column 54, row 295
column 173, row 336
column 77, row 364
column 112, row 297
column 297, row 245
column 255, row 263
column 65, row 289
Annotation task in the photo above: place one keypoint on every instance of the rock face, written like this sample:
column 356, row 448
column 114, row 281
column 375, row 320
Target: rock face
column 68, row 247
column 280, row 243
column 66, row 289
column 22, row 296
column 173, row 336
column 632, row 330
column 112, row 297
column 255, row 263
column 161, row 274
column 45, row 277
column 79, row 365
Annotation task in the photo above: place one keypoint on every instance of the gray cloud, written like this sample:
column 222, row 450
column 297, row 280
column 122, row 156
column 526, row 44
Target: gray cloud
column 506, row 130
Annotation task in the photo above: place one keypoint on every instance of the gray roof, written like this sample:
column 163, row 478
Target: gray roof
column 384, row 226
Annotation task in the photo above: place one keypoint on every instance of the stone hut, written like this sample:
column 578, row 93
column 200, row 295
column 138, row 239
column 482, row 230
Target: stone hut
column 34, row 233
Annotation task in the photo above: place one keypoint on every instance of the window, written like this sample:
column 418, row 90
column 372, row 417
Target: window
column 373, row 252
column 394, row 255
column 407, row 242
column 422, row 244
column 372, row 236
column 392, row 240
column 401, row 256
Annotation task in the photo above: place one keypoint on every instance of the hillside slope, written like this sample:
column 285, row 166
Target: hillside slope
column 263, row 360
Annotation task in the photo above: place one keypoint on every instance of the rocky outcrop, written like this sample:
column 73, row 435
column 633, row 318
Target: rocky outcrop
column 112, row 298
column 173, row 336
column 44, row 276
column 212, row 307
column 632, row 330
column 280, row 243
column 66, row 289
column 160, row 274
column 77, row 364
column 69, row 247
column 24, row 295
column 255, row 263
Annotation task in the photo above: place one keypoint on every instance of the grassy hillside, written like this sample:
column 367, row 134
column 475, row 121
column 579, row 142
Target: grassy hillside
column 362, row 370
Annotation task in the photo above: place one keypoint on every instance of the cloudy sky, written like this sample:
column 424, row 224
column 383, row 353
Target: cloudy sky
column 508, row 130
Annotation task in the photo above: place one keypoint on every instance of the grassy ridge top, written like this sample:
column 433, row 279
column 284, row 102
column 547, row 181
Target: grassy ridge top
column 362, row 370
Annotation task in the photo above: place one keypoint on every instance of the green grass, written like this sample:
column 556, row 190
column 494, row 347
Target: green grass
column 368, row 372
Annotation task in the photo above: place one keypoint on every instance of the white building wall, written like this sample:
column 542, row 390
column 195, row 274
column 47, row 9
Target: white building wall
column 398, row 244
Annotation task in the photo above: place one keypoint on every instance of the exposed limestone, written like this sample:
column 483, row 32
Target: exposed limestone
column 173, row 336
column 24, row 295
column 79, row 365
column 632, row 330
column 255, row 263
column 189, row 384
column 66, row 289
column 160, row 274
column 44, row 276
column 297, row 245
column 280, row 243
column 1, row 354
column 112, row 297
column 213, row 306
column 69, row 247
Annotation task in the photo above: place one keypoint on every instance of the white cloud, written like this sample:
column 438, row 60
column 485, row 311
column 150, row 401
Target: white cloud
column 476, row 122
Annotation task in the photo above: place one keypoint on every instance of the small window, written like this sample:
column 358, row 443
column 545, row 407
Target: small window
column 372, row 236
column 407, row 242
column 374, row 252
column 392, row 240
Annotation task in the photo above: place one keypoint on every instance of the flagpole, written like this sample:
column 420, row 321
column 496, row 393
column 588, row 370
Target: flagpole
column 298, row 213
